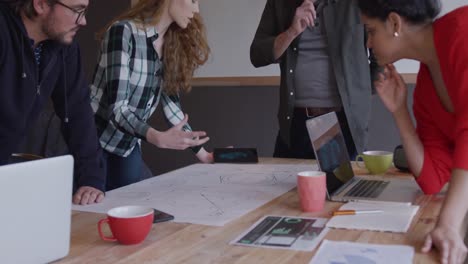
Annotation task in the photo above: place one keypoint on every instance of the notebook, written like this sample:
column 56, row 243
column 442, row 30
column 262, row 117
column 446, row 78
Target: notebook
column 395, row 217
column 342, row 185
column 35, row 199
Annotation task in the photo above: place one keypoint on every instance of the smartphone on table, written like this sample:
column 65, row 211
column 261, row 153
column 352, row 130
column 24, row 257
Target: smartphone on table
column 160, row 216
column 235, row 155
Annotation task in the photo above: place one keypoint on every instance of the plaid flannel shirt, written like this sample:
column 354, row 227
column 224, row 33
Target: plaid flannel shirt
column 126, row 88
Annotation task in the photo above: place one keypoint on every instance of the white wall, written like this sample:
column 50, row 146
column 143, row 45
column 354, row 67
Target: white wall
column 410, row 66
column 231, row 25
column 449, row 5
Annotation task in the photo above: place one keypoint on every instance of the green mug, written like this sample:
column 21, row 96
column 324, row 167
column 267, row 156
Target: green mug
column 377, row 162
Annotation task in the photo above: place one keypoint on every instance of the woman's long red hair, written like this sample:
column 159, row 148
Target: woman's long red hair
column 184, row 50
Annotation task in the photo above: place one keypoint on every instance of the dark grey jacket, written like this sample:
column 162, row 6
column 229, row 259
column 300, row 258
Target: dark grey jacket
column 348, row 53
column 26, row 88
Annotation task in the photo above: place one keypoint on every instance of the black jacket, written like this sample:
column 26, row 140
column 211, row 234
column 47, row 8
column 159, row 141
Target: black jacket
column 23, row 95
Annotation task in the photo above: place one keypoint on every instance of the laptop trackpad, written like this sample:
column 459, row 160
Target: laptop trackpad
column 400, row 190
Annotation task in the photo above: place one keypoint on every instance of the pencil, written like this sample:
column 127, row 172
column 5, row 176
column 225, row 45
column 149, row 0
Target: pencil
column 355, row 212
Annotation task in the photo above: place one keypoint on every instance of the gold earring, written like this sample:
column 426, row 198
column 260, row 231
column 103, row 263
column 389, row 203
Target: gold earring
column 396, row 34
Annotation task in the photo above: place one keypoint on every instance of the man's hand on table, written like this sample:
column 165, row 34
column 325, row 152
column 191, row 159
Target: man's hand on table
column 87, row 195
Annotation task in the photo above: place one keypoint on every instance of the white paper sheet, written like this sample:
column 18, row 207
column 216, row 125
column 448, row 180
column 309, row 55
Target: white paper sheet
column 332, row 252
column 209, row 194
column 396, row 217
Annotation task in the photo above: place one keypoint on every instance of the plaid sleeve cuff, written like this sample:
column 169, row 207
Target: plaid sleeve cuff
column 141, row 129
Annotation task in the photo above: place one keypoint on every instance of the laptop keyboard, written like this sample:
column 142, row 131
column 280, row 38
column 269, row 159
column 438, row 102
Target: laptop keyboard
column 367, row 188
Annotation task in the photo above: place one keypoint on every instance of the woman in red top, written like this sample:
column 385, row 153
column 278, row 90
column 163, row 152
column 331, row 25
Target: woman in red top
column 437, row 149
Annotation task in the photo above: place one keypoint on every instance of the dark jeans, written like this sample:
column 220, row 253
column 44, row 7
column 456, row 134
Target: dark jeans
column 122, row 171
column 301, row 147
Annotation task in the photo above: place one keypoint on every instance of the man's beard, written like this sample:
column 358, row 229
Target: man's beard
column 48, row 29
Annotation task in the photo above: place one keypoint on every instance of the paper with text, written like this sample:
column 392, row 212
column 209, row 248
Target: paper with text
column 284, row 232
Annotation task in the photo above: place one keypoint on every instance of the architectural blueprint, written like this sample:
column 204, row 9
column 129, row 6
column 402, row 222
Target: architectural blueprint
column 209, row 194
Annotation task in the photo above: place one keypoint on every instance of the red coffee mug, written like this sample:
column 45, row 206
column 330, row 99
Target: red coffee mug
column 128, row 224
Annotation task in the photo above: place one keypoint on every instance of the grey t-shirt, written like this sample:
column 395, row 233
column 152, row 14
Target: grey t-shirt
column 314, row 80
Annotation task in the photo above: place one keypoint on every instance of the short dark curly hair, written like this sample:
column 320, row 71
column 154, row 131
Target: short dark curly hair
column 26, row 6
column 415, row 11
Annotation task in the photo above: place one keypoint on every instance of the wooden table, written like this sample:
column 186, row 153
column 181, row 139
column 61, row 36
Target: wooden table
column 171, row 242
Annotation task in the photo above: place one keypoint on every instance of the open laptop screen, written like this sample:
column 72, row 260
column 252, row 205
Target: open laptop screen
column 330, row 150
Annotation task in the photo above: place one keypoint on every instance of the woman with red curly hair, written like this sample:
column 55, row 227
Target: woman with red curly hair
column 148, row 55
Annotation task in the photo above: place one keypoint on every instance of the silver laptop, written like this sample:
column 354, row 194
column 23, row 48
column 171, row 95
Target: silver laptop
column 35, row 204
column 342, row 185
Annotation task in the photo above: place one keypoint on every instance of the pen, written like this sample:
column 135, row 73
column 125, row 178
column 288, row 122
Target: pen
column 355, row 212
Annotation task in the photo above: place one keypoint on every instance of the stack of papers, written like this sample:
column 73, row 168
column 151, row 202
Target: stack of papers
column 395, row 217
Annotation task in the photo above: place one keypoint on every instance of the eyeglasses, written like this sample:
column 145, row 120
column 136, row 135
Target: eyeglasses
column 80, row 14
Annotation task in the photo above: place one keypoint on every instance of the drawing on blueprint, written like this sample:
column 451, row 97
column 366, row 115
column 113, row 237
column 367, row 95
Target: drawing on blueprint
column 134, row 195
column 210, row 194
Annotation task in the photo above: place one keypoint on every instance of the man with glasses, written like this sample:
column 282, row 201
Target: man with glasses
column 39, row 60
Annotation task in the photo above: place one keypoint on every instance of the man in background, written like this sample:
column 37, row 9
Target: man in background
column 320, row 47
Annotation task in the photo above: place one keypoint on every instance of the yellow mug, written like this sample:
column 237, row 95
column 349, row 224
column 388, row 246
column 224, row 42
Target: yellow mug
column 377, row 162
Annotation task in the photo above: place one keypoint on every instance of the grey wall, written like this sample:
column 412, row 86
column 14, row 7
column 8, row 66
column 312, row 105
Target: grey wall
column 246, row 117
column 232, row 116
column 382, row 129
